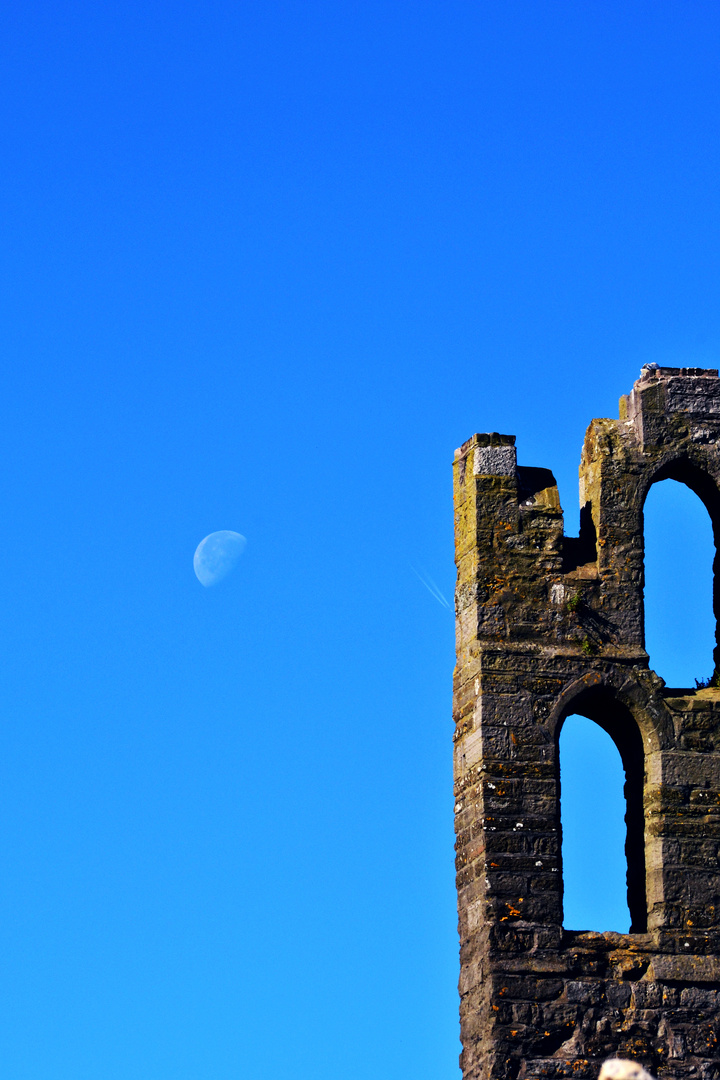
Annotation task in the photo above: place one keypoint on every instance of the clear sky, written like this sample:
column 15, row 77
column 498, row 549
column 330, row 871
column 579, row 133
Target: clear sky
column 264, row 266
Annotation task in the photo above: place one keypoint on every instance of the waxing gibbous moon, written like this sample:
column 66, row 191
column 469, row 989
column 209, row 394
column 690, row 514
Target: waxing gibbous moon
column 217, row 555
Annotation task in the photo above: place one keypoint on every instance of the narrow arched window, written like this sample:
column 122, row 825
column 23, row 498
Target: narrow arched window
column 601, row 767
column 679, row 551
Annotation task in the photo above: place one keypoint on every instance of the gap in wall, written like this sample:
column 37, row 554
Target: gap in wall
column 592, row 812
column 679, row 552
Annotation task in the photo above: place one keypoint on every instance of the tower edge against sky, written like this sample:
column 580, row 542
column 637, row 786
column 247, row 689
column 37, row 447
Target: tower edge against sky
column 548, row 626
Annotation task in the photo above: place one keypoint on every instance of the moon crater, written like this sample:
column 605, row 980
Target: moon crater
column 217, row 555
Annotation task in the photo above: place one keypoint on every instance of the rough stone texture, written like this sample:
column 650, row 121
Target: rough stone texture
column 547, row 626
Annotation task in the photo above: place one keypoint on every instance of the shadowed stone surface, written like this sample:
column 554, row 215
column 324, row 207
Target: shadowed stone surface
column 549, row 625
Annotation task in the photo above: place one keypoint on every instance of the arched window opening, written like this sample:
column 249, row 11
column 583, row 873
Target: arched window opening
column 602, row 822
column 679, row 553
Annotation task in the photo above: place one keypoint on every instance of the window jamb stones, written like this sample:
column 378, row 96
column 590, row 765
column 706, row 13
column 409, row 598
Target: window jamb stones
column 698, row 476
column 600, row 705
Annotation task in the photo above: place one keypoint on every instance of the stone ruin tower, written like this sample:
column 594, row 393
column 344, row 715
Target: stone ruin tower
column 548, row 626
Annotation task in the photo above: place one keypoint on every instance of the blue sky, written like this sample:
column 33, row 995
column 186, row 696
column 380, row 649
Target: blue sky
column 264, row 266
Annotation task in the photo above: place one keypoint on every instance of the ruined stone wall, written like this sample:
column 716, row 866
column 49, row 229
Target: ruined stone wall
column 547, row 626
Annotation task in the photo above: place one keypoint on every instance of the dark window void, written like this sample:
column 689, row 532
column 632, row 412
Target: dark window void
column 601, row 798
column 679, row 552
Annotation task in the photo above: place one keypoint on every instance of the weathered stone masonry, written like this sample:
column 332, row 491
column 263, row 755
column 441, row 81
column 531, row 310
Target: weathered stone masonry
column 548, row 626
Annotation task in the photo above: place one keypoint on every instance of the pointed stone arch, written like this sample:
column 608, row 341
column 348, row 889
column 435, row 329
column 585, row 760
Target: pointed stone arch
column 696, row 475
column 599, row 704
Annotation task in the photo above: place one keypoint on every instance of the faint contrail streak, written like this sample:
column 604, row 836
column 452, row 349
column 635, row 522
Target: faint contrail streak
column 431, row 587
